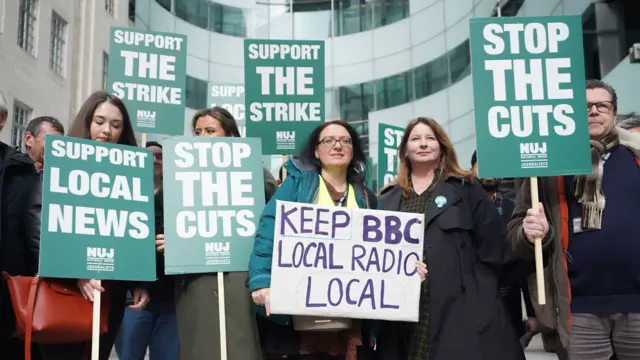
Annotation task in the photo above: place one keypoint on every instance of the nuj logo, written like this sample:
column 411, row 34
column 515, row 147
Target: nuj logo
column 285, row 135
column 533, row 148
column 146, row 114
column 217, row 247
column 94, row 252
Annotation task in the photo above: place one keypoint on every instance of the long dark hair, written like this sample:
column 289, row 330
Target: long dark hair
column 81, row 127
column 357, row 169
column 224, row 117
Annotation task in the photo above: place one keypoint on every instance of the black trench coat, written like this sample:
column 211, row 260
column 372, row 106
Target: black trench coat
column 465, row 249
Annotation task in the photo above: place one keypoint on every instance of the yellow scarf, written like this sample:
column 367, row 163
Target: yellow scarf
column 324, row 197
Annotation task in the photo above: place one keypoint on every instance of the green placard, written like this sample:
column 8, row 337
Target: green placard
column 284, row 82
column 389, row 138
column 530, row 96
column 212, row 213
column 231, row 98
column 97, row 211
column 148, row 71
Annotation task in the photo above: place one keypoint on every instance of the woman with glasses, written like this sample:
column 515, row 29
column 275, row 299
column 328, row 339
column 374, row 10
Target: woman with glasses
column 329, row 171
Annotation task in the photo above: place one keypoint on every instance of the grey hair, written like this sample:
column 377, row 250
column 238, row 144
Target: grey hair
column 35, row 125
column 630, row 123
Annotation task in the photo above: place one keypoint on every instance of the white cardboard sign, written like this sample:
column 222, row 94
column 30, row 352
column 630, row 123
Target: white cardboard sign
column 341, row 262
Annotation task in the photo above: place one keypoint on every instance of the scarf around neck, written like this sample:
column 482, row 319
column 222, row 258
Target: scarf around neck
column 587, row 189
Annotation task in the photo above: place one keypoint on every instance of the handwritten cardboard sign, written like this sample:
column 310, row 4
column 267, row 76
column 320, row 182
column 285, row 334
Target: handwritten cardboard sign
column 341, row 262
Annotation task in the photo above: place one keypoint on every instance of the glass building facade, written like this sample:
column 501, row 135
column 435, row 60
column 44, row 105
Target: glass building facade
column 386, row 60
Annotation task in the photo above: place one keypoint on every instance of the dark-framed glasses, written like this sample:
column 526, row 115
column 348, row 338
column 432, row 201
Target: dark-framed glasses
column 331, row 142
column 604, row 107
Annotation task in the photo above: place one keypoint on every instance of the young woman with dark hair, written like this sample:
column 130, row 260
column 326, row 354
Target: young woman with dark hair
column 330, row 172
column 102, row 117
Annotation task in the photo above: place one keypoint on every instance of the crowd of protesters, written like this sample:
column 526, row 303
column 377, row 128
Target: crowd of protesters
column 477, row 269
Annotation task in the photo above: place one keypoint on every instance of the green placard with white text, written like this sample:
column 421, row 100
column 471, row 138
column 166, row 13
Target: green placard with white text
column 284, row 84
column 389, row 138
column 211, row 213
column 530, row 96
column 97, row 211
column 148, row 71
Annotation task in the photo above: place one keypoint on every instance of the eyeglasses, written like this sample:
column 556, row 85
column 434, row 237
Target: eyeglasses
column 603, row 107
column 331, row 142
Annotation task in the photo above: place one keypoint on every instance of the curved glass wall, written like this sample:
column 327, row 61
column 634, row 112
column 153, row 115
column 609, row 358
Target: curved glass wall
column 350, row 16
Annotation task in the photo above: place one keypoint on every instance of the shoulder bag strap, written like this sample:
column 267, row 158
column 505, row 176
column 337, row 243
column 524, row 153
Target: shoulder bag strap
column 29, row 320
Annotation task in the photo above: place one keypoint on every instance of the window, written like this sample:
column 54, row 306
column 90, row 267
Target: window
column 431, row 77
column 21, row 114
column 460, row 62
column 389, row 11
column 165, row 4
column 58, row 34
column 196, row 94
column 195, row 12
column 109, row 6
column 356, row 101
column 105, row 69
column 27, row 25
column 132, row 11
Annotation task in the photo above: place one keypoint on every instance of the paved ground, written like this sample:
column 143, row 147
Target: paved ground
column 534, row 352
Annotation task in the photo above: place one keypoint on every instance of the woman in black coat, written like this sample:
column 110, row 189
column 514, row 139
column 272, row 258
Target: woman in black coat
column 461, row 313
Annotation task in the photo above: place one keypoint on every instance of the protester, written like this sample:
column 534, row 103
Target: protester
column 328, row 172
column 196, row 294
column 37, row 129
column 156, row 150
column 632, row 124
column 513, row 277
column 155, row 326
column 587, row 225
column 461, row 316
column 102, row 117
column 20, row 207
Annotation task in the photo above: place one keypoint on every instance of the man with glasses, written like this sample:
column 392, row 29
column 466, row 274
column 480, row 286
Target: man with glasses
column 590, row 242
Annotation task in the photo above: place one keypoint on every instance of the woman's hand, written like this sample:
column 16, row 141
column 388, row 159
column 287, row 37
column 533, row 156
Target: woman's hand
column 87, row 286
column 422, row 270
column 140, row 299
column 160, row 243
column 261, row 297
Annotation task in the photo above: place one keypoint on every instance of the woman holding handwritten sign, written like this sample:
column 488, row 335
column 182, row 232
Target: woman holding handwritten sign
column 330, row 172
column 461, row 314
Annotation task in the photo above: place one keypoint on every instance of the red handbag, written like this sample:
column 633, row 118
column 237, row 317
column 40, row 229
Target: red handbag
column 52, row 311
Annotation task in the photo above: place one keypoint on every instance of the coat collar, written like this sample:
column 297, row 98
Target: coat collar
column 446, row 189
